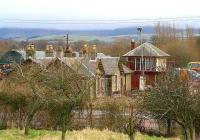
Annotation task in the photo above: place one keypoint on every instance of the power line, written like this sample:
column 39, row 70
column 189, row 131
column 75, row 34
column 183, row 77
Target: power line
column 141, row 19
column 110, row 21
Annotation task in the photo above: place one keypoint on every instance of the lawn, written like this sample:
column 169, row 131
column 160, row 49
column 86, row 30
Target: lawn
column 86, row 134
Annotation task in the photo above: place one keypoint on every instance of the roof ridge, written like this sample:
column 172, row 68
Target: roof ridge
column 152, row 48
column 149, row 48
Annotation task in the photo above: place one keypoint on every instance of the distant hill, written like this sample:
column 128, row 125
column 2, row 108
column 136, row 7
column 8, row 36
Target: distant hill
column 13, row 33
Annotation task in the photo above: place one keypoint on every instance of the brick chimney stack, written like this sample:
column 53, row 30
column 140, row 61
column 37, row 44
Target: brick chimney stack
column 133, row 44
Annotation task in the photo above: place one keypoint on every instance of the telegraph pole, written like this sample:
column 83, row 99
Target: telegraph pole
column 67, row 41
column 140, row 31
column 142, row 77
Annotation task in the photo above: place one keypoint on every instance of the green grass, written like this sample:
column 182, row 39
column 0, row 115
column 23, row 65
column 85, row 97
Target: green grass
column 86, row 134
column 146, row 137
column 16, row 134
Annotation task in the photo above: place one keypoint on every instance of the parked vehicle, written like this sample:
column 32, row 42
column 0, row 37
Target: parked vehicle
column 194, row 66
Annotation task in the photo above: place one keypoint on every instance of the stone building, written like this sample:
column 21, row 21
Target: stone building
column 112, row 77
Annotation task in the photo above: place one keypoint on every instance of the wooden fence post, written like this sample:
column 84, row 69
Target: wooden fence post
column 90, row 115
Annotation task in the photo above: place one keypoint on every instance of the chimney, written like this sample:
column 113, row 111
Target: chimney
column 30, row 51
column 49, row 52
column 68, row 52
column 93, row 52
column 85, row 50
column 59, row 52
column 133, row 44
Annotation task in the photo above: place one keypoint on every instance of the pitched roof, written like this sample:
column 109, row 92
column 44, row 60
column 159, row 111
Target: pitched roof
column 126, row 69
column 44, row 62
column 101, row 55
column 77, row 65
column 90, row 64
column 110, row 65
column 147, row 49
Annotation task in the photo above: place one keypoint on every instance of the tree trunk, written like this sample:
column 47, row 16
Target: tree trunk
column 27, row 125
column 130, row 129
column 132, row 137
column 192, row 133
column 90, row 116
column 26, row 132
column 169, row 127
column 63, row 129
column 185, row 133
column 63, row 134
column 29, row 118
column 20, row 126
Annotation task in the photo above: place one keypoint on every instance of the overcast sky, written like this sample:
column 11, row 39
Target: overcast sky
column 92, row 10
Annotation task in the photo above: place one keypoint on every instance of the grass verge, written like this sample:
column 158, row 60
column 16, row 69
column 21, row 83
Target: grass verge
column 86, row 134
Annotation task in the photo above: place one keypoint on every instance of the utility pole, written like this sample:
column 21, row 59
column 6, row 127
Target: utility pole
column 140, row 31
column 67, row 42
column 142, row 77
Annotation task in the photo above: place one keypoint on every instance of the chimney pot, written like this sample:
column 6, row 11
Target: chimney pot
column 133, row 44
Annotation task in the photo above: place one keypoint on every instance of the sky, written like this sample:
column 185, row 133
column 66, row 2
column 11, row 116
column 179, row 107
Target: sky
column 84, row 13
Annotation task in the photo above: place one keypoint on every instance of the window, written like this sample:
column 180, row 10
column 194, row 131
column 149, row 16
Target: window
column 138, row 66
column 149, row 63
column 114, row 83
column 147, row 60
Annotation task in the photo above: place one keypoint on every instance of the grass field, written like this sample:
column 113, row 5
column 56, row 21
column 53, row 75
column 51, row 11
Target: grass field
column 72, row 38
column 86, row 134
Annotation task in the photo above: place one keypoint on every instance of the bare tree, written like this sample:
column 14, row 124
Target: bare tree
column 171, row 39
column 171, row 99
column 26, row 80
column 67, row 91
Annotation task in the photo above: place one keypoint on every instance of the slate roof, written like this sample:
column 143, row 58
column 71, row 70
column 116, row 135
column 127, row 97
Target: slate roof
column 90, row 64
column 101, row 55
column 111, row 66
column 75, row 64
column 78, row 65
column 148, row 50
column 44, row 62
column 126, row 69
